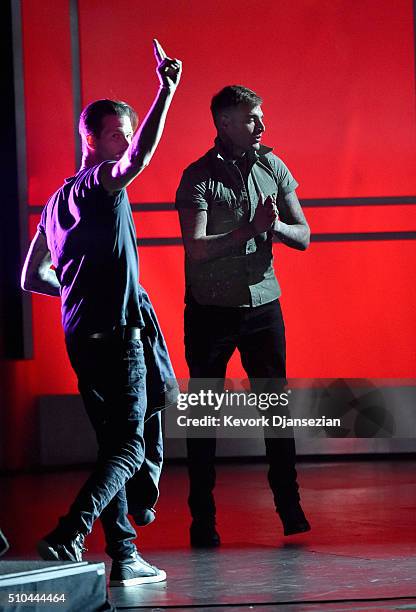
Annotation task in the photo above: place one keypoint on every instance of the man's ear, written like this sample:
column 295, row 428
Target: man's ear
column 224, row 120
column 90, row 141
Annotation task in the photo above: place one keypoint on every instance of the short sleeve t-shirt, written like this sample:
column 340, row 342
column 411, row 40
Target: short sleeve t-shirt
column 92, row 240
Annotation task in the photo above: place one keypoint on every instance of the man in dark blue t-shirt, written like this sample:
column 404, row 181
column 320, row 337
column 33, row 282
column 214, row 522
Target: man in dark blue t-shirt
column 85, row 252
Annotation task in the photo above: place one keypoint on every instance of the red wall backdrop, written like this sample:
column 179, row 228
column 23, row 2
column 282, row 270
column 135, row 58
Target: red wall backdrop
column 338, row 88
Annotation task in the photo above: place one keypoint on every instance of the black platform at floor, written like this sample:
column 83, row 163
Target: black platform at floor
column 50, row 585
column 290, row 576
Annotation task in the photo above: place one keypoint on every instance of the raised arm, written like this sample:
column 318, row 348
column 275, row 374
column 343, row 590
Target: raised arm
column 37, row 274
column 291, row 227
column 138, row 155
column 199, row 246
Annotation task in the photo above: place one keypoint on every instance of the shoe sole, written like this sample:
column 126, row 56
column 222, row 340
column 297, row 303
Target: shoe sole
column 202, row 544
column 301, row 529
column 141, row 580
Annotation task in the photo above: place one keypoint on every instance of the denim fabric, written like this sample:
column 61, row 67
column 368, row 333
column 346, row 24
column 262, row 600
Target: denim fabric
column 112, row 382
column 161, row 386
column 161, row 391
column 143, row 488
column 124, row 386
column 212, row 333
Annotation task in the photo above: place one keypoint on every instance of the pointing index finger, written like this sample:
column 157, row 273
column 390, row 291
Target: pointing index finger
column 158, row 49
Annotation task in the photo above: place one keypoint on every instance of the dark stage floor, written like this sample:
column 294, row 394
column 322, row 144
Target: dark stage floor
column 360, row 554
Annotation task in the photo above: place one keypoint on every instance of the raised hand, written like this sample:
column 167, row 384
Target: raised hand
column 168, row 70
column 265, row 215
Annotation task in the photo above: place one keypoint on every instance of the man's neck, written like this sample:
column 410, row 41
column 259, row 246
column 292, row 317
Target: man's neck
column 88, row 161
column 230, row 151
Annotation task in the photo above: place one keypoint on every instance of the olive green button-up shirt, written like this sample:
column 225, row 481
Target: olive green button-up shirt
column 245, row 276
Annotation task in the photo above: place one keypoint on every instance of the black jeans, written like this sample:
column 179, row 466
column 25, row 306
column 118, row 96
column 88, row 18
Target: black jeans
column 112, row 382
column 212, row 334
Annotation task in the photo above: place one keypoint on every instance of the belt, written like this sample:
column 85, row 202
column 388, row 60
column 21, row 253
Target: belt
column 125, row 333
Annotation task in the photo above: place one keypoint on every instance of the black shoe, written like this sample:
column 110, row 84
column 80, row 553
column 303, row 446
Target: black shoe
column 145, row 516
column 204, row 534
column 50, row 549
column 135, row 570
column 294, row 520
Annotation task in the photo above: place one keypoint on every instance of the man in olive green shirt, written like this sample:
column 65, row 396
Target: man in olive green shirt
column 231, row 203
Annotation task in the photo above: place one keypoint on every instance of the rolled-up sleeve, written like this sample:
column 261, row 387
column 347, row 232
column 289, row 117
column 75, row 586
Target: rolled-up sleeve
column 285, row 179
column 192, row 190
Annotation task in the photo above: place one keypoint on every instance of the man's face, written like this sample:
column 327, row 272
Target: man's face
column 243, row 127
column 115, row 137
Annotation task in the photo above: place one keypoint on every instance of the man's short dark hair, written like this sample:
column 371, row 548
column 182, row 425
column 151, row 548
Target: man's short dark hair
column 90, row 121
column 232, row 96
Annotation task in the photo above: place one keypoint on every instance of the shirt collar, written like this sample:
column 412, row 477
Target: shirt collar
column 221, row 151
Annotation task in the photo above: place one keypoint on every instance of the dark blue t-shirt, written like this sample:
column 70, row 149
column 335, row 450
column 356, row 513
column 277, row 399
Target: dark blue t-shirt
column 92, row 240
